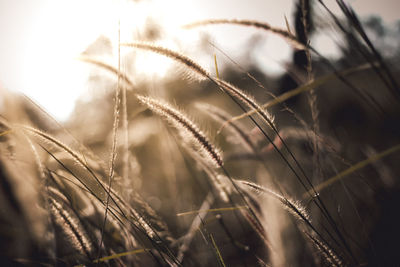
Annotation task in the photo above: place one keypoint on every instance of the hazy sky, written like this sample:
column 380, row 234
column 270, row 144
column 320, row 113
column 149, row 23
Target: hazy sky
column 40, row 38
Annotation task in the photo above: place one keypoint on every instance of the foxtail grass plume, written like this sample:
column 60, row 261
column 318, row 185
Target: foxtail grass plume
column 251, row 23
column 184, row 125
column 200, row 72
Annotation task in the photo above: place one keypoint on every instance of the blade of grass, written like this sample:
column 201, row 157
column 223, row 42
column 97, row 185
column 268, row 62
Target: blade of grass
column 5, row 132
column 122, row 254
column 188, row 238
column 210, row 210
column 313, row 84
column 113, row 155
column 353, row 168
column 216, row 66
column 218, row 253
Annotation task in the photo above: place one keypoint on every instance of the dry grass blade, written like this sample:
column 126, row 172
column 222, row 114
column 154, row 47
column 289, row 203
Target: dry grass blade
column 122, row 254
column 288, row 25
column 125, row 122
column 216, row 66
column 262, row 25
column 113, row 154
column 5, row 132
column 353, row 168
column 210, row 210
column 313, row 84
column 187, row 239
column 217, row 251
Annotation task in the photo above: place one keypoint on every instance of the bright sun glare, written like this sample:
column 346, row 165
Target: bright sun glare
column 62, row 30
column 59, row 31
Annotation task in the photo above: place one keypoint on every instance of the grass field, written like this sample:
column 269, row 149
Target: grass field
column 213, row 167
